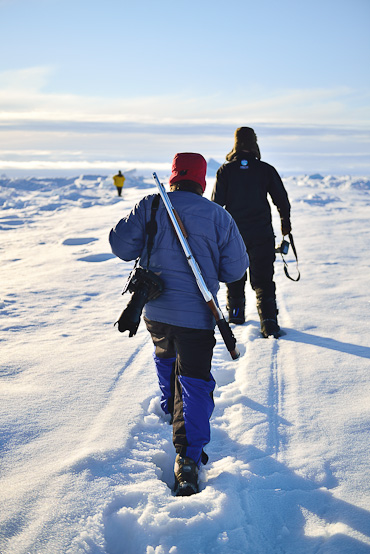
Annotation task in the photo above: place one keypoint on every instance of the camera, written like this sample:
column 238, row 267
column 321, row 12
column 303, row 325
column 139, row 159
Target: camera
column 144, row 286
column 283, row 247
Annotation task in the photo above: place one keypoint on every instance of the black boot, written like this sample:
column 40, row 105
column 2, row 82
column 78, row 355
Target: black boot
column 186, row 476
column 236, row 309
column 268, row 312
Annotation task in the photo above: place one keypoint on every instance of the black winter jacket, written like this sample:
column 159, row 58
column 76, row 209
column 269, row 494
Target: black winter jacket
column 242, row 186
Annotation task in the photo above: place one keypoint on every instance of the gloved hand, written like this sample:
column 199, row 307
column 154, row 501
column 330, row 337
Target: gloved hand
column 286, row 227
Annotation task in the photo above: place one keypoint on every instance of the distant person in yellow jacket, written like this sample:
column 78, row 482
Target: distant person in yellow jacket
column 119, row 180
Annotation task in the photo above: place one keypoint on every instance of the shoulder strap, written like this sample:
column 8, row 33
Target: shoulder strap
column 151, row 227
column 296, row 257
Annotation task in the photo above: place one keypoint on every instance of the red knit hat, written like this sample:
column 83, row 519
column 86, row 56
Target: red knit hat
column 188, row 166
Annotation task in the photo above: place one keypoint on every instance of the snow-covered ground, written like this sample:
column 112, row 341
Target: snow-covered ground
column 87, row 458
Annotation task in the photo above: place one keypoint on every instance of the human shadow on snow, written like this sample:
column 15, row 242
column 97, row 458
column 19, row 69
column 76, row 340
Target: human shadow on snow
column 275, row 498
column 325, row 342
column 273, row 506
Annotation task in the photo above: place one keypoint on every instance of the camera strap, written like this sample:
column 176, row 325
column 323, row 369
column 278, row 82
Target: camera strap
column 151, row 227
column 296, row 257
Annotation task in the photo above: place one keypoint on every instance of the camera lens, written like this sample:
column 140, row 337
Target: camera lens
column 130, row 317
column 137, row 302
column 144, row 285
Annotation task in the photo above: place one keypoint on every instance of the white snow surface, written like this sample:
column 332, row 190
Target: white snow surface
column 86, row 456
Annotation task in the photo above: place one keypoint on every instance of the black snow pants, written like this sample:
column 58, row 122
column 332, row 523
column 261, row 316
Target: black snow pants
column 183, row 363
column 261, row 252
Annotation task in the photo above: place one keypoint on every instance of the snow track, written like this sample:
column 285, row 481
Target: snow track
column 145, row 516
column 87, row 456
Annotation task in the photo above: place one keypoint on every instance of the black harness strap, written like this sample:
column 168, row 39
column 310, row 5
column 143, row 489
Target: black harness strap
column 296, row 257
column 151, row 227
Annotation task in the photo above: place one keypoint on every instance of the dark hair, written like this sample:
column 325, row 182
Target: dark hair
column 245, row 140
column 189, row 186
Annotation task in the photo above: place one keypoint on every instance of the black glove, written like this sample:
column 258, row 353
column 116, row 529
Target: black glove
column 286, row 227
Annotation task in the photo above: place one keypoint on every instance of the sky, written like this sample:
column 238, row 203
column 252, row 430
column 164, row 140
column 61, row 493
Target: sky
column 87, row 85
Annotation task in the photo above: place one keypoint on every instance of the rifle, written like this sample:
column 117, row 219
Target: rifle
column 180, row 231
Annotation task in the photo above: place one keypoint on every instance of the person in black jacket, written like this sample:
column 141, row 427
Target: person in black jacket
column 242, row 187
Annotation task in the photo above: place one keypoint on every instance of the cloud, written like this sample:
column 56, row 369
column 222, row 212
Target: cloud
column 23, row 81
column 44, row 129
column 31, row 165
column 22, row 98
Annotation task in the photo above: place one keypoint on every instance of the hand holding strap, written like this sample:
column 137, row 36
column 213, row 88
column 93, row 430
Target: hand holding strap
column 296, row 257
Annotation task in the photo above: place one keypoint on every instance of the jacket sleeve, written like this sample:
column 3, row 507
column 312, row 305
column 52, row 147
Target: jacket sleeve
column 234, row 259
column 128, row 237
column 279, row 196
column 219, row 193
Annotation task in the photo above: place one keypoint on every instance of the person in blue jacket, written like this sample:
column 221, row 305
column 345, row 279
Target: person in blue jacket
column 179, row 320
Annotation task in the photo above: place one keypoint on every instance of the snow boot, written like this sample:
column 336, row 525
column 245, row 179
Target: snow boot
column 186, row 476
column 268, row 312
column 236, row 309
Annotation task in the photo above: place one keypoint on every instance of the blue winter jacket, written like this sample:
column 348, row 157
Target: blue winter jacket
column 215, row 242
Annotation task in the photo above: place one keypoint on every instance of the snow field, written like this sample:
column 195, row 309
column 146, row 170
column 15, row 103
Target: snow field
column 87, row 456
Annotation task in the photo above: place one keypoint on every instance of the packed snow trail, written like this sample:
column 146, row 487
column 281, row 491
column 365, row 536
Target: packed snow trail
column 87, row 456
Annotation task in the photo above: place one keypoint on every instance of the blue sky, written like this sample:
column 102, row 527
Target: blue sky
column 93, row 84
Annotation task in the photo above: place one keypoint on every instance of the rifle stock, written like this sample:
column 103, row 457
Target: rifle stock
column 225, row 331
column 181, row 225
column 223, row 326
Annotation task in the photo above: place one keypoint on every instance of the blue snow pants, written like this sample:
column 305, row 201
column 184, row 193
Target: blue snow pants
column 183, row 359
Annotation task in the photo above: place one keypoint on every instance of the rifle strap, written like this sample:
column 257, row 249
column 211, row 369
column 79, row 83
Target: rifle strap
column 151, row 227
column 296, row 257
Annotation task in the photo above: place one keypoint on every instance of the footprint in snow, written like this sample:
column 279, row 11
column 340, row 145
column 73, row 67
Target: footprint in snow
column 78, row 241
column 96, row 258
